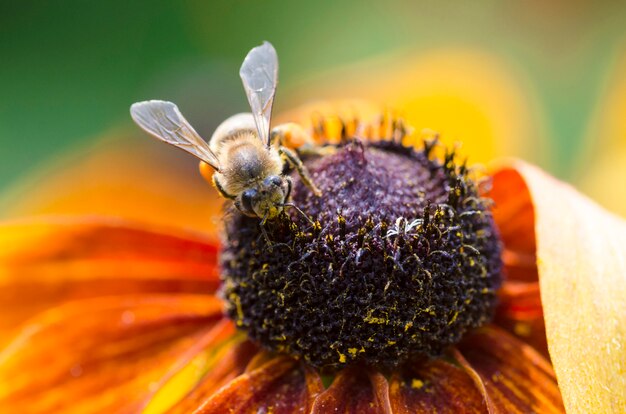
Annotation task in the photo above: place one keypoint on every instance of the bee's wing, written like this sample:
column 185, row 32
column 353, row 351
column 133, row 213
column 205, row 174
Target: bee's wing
column 164, row 121
column 259, row 73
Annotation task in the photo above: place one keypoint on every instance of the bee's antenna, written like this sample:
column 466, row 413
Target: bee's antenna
column 265, row 217
column 262, row 227
column 299, row 211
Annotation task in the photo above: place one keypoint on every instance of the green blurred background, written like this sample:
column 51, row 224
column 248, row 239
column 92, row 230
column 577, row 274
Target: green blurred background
column 70, row 69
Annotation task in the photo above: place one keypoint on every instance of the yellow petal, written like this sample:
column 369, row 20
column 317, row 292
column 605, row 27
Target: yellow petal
column 603, row 161
column 230, row 362
column 604, row 178
column 467, row 95
column 201, row 358
column 581, row 256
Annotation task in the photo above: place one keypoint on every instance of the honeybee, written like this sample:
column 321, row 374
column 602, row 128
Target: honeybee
column 243, row 159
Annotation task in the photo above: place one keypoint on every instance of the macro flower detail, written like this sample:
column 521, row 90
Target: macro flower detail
column 106, row 314
column 399, row 258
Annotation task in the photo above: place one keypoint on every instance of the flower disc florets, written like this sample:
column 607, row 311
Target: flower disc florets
column 402, row 259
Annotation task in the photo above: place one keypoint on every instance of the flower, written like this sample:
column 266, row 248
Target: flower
column 106, row 314
column 120, row 314
column 398, row 257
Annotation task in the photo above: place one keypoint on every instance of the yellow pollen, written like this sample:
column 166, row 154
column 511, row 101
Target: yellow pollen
column 456, row 314
column 417, row 384
column 522, row 329
column 234, row 298
column 374, row 320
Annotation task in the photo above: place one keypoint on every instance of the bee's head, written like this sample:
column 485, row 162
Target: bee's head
column 265, row 200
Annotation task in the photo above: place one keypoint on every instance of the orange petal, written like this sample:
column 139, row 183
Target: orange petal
column 355, row 391
column 190, row 368
column 520, row 313
column 516, row 378
column 229, row 363
column 434, row 386
column 519, row 309
column 515, row 217
column 279, row 386
column 45, row 262
column 520, row 300
column 124, row 175
column 101, row 355
column 582, row 275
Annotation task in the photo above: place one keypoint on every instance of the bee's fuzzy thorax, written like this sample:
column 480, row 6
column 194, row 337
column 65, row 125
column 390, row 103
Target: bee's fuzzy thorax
column 402, row 260
column 247, row 161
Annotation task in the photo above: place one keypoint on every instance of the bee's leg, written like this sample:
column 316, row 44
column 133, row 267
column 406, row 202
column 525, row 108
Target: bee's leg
column 292, row 135
column 264, row 232
column 293, row 159
column 289, row 185
column 220, row 189
column 308, row 150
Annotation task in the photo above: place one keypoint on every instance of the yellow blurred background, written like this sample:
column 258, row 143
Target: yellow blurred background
column 545, row 81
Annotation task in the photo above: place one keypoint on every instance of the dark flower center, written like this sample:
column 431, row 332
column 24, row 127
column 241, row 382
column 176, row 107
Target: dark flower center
column 403, row 258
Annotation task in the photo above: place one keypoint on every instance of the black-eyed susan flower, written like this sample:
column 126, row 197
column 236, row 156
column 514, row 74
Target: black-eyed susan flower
column 411, row 289
column 400, row 289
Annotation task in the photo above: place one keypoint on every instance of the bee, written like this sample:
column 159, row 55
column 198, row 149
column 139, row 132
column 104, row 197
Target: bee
column 244, row 159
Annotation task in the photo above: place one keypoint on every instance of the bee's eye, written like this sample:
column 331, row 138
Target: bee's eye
column 273, row 180
column 246, row 199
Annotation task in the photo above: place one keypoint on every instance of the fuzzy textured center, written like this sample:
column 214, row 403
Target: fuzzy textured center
column 403, row 258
